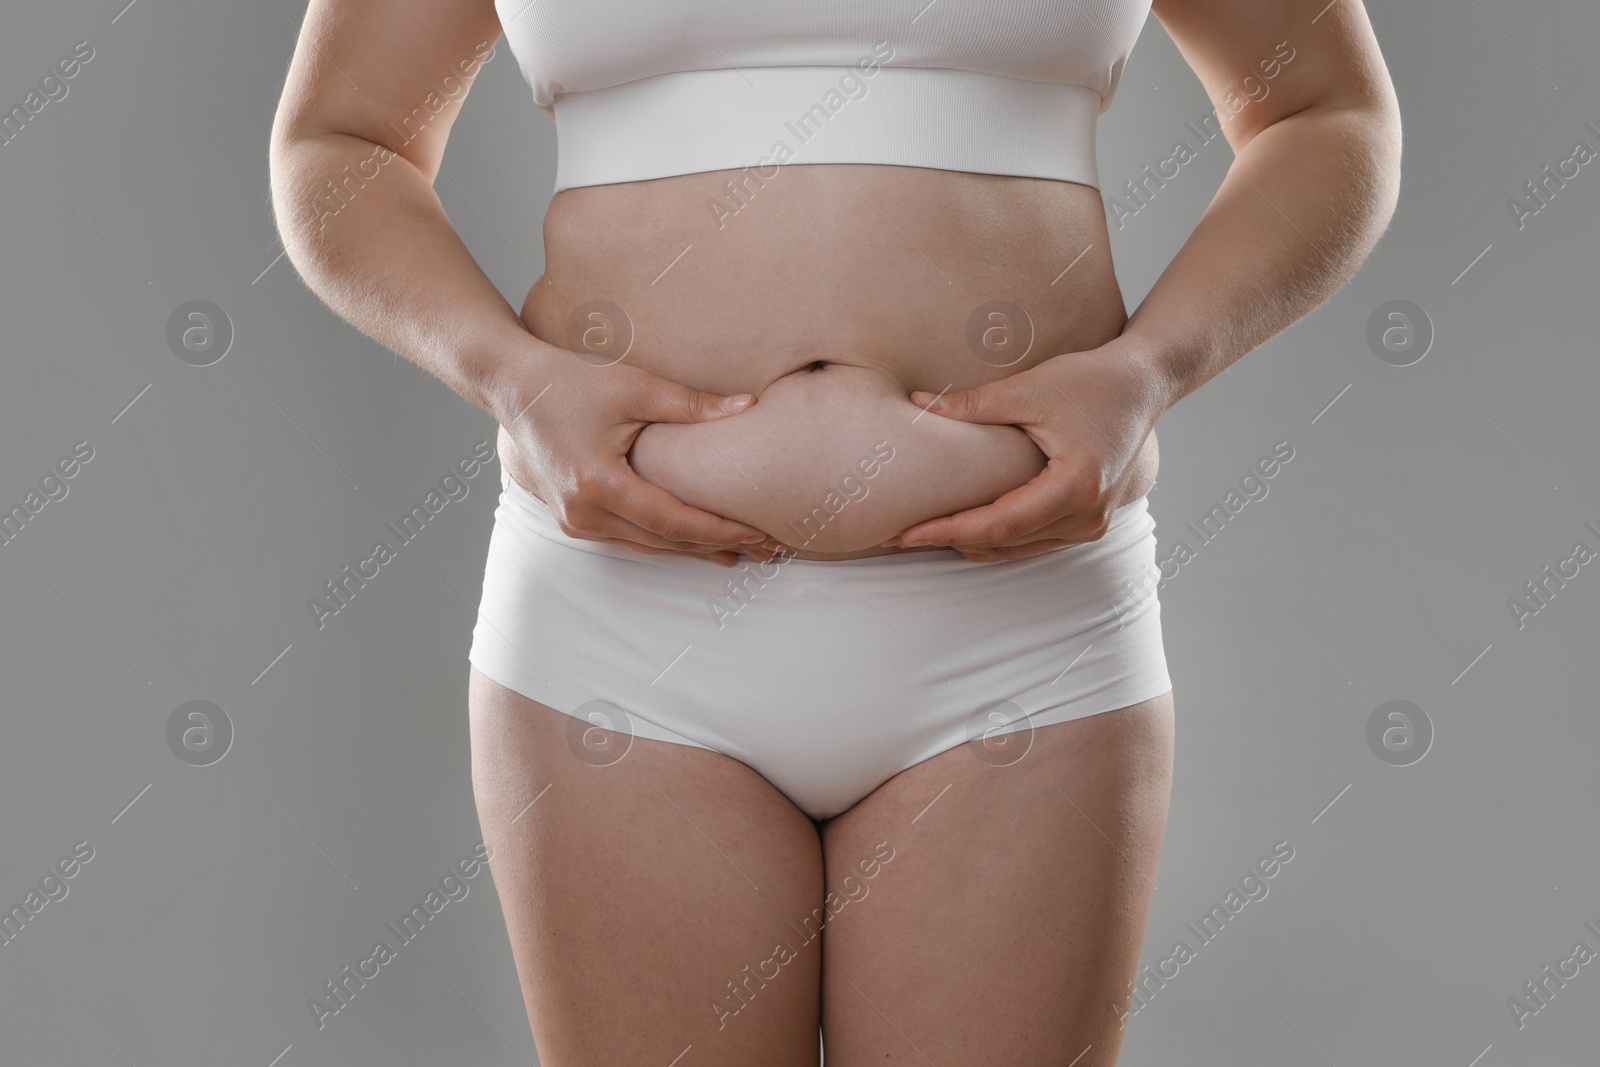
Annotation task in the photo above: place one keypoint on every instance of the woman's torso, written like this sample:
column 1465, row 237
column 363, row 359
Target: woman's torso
column 891, row 278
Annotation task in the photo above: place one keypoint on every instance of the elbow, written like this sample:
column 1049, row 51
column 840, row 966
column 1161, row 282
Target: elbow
column 1368, row 138
column 286, row 172
column 1384, row 142
column 297, row 150
column 1375, row 111
column 286, row 182
column 284, row 147
column 1364, row 148
column 300, row 191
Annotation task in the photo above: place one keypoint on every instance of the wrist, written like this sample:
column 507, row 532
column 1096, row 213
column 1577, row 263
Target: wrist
column 506, row 368
column 1167, row 371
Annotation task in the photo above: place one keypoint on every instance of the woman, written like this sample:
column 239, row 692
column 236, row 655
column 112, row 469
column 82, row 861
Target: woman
column 828, row 301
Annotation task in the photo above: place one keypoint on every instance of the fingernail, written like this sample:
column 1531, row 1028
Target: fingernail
column 737, row 402
column 754, row 539
column 915, row 542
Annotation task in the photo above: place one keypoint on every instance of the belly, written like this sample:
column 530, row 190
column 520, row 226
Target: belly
column 831, row 292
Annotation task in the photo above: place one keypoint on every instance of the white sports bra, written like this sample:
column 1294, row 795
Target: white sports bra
column 645, row 89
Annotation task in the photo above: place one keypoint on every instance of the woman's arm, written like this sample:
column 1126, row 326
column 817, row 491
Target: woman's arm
column 1313, row 185
column 366, row 110
column 1314, row 182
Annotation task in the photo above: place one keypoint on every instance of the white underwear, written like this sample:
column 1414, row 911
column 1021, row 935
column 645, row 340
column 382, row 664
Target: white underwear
column 826, row 677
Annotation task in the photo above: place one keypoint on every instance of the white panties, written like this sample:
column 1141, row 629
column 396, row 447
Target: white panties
column 826, row 677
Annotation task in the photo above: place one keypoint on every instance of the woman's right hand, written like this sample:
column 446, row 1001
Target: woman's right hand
column 565, row 438
column 385, row 256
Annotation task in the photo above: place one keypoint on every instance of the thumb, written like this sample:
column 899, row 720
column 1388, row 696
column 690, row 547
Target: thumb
column 667, row 401
column 994, row 403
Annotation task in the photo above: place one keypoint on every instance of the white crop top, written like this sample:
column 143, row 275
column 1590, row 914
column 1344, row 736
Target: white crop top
column 645, row 89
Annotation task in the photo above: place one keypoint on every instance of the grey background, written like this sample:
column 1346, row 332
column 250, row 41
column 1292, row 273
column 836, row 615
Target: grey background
column 178, row 567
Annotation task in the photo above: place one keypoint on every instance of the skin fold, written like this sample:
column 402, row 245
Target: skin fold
column 890, row 279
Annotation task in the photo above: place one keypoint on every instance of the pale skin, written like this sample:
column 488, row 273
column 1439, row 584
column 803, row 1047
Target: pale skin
column 1011, row 919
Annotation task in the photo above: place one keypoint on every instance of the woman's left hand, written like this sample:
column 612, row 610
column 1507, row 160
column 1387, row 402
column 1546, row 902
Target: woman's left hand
column 1089, row 413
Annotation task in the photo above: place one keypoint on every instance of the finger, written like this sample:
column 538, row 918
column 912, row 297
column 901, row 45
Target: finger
column 1074, row 529
column 1013, row 516
column 1002, row 403
column 723, row 557
column 613, row 529
column 1090, row 520
column 1001, row 553
column 660, row 400
column 765, row 552
column 613, row 501
column 596, row 518
column 647, row 506
column 595, row 523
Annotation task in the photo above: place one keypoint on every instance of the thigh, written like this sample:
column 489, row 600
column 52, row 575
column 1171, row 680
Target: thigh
column 653, row 893
column 1007, row 926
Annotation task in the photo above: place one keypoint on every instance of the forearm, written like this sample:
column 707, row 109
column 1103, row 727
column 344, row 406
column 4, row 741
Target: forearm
column 1303, row 203
column 384, row 256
